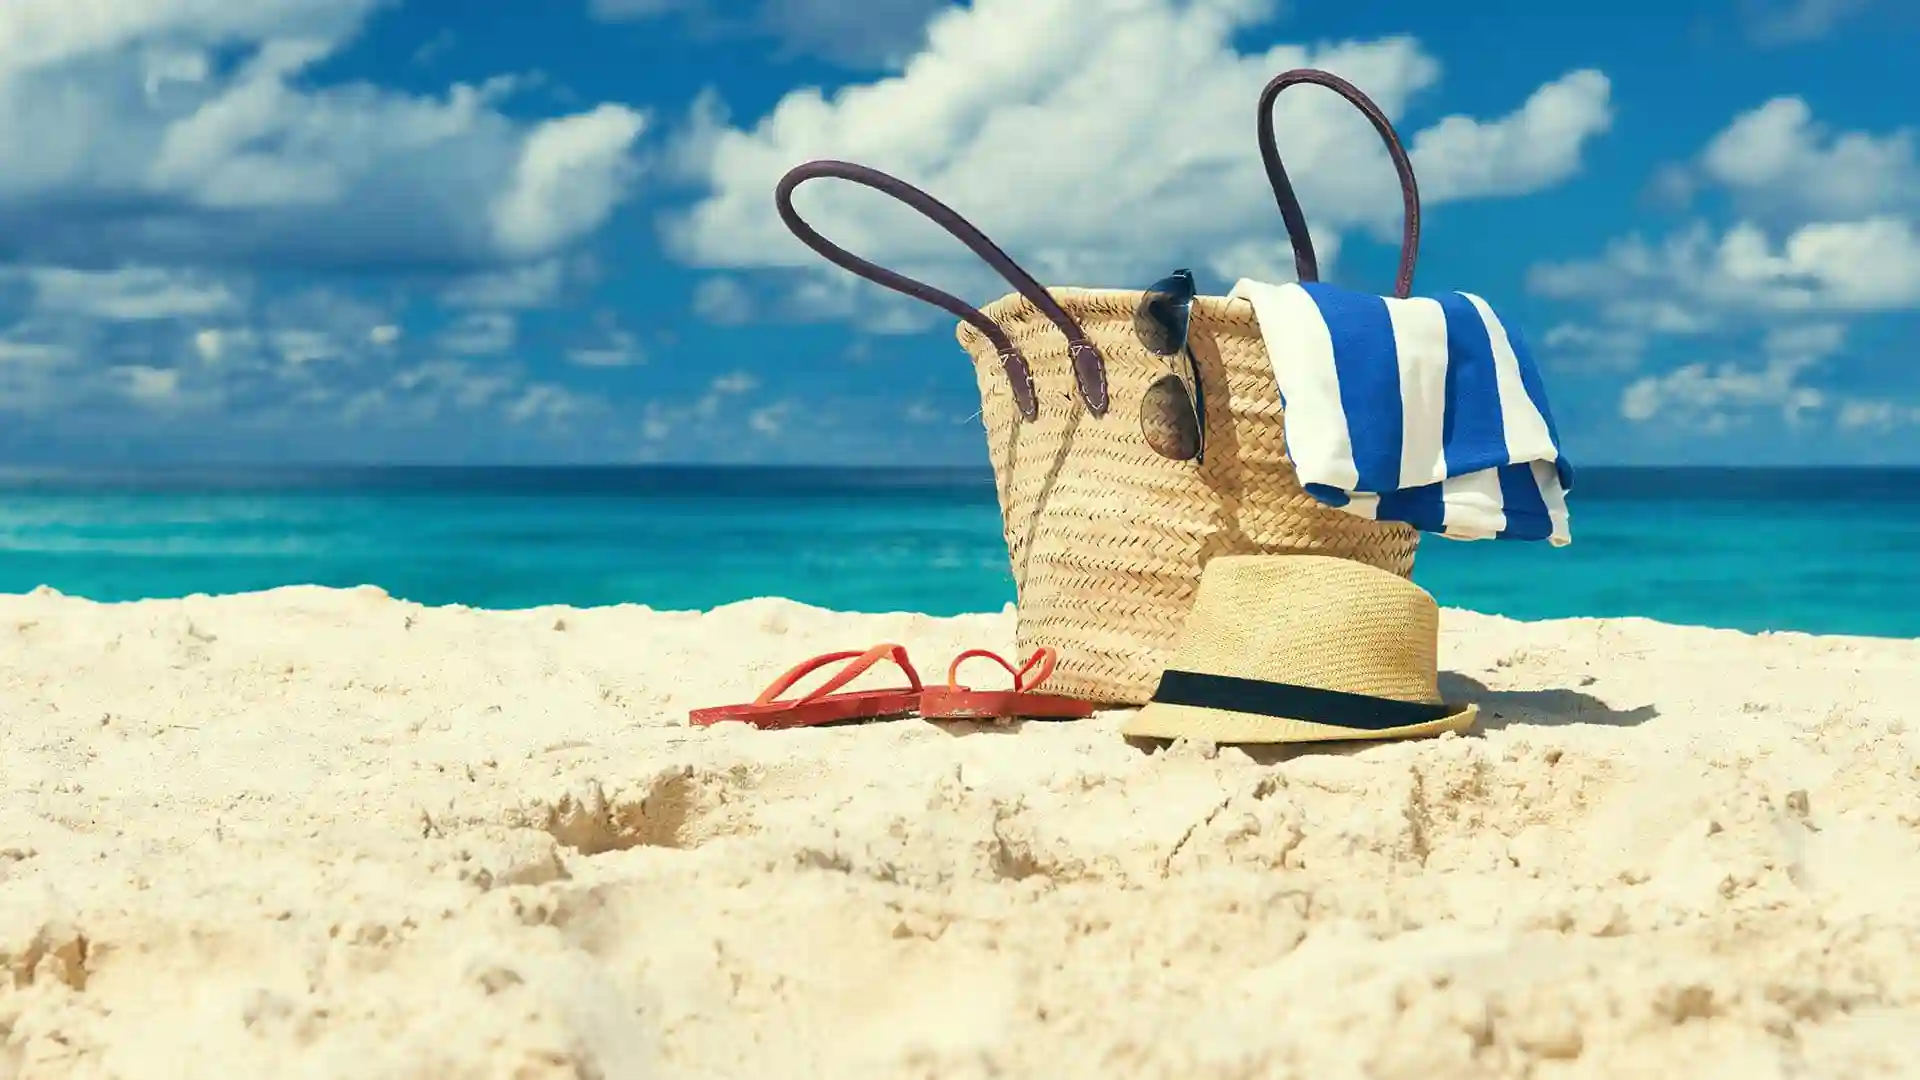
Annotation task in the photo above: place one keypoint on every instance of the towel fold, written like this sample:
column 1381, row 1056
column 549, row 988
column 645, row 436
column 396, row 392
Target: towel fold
column 1427, row 410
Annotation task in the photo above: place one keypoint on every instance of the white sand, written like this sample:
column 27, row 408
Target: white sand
column 329, row 834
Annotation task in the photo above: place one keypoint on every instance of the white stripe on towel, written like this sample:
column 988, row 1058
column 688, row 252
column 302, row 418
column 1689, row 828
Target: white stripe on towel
column 1423, row 410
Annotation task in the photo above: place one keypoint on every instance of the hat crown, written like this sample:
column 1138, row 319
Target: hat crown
column 1314, row 620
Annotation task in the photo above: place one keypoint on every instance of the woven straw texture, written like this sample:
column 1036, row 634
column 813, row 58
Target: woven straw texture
column 1342, row 626
column 1328, row 623
column 1107, row 538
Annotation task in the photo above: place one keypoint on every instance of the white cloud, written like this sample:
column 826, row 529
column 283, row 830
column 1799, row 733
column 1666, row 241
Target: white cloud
column 479, row 333
column 609, row 356
column 663, row 420
column 723, row 301
column 1789, row 22
column 1597, row 347
column 736, row 382
column 1535, row 147
column 432, row 390
column 130, row 294
column 1066, row 102
column 572, row 172
column 210, row 344
column 1777, row 159
column 547, row 403
column 525, row 286
column 1715, row 398
column 1826, row 235
column 163, row 131
column 299, row 346
column 149, row 386
column 310, row 368
column 1877, row 415
column 32, row 353
column 614, row 347
column 769, row 421
column 1695, row 278
column 435, row 47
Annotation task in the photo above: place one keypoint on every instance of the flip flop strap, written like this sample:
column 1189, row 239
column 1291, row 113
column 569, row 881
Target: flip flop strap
column 953, row 669
column 861, row 661
column 1043, row 657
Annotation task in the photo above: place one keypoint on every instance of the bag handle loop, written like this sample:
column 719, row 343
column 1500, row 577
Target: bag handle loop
column 1305, row 265
column 1089, row 370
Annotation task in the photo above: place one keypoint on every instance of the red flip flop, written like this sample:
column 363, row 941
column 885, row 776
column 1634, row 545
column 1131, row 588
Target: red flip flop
column 821, row 705
column 956, row 702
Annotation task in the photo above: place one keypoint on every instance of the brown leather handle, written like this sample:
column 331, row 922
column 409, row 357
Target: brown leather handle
column 1089, row 370
column 1304, row 263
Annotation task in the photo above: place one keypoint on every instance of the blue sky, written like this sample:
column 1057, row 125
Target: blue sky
column 430, row 231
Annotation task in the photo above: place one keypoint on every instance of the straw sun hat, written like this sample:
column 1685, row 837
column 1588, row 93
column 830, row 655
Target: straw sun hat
column 1302, row 648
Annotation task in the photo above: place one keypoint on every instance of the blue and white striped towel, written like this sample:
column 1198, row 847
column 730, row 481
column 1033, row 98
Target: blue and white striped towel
column 1426, row 410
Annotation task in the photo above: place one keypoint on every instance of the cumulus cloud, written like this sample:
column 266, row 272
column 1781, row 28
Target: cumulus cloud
column 1778, row 161
column 480, row 333
column 151, row 386
column 193, row 131
column 525, row 286
column 1832, row 228
column 189, row 196
column 131, row 293
column 566, row 181
column 1774, row 23
column 1715, row 398
column 723, row 301
column 1127, row 128
column 711, row 412
column 1695, row 279
column 1826, row 234
column 430, row 391
column 1871, row 415
column 1535, row 147
column 612, row 345
column 181, row 359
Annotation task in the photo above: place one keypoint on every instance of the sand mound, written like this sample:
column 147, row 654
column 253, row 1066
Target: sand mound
column 327, row 833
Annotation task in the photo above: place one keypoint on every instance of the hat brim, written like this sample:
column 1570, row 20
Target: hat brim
column 1161, row 720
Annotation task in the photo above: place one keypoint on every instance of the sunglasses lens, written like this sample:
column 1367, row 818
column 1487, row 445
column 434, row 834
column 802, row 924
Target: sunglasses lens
column 1161, row 319
column 1167, row 419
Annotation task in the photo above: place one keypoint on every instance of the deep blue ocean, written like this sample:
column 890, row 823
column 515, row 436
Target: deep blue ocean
column 1827, row 551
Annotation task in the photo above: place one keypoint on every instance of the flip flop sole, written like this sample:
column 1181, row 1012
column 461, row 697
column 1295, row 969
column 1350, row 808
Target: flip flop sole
column 939, row 703
column 862, row 705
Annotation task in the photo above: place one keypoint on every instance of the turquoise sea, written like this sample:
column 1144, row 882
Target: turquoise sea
column 1828, row 551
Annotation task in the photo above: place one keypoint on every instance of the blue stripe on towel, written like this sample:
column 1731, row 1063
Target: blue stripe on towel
column 1405, row 411
column 1364, row 360
column 1328, row 494
column 1474, row 434
column 1422, row 507
column 1526, row 511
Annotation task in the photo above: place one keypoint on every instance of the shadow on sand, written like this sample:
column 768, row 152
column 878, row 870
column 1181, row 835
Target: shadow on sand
column 1537, row 708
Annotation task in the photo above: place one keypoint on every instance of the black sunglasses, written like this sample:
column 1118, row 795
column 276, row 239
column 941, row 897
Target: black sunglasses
column 1173, row 413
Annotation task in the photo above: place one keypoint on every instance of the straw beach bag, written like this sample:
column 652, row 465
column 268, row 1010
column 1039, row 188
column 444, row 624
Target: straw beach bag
column 1106, row 536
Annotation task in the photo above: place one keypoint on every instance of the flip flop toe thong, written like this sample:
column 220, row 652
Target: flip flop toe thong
column 955, row 701
column 824, row 704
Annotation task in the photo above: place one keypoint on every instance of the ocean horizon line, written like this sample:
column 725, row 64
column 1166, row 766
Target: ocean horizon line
column 154, row 468
column 1707, row 483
